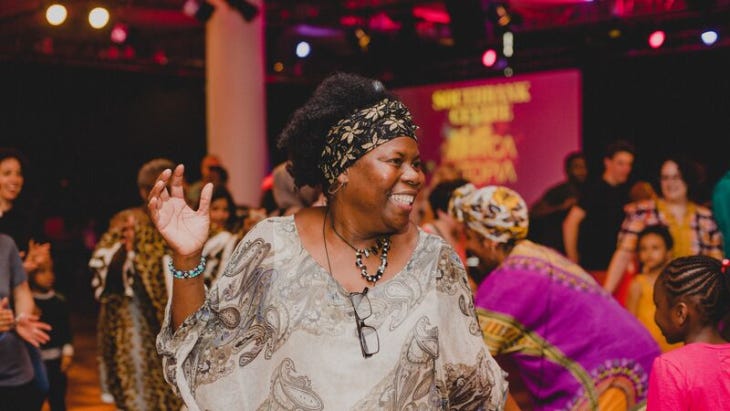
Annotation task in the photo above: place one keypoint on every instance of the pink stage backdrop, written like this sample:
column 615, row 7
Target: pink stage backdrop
column 514, row 132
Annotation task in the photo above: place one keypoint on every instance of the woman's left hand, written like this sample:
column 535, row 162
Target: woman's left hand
column 184, row 229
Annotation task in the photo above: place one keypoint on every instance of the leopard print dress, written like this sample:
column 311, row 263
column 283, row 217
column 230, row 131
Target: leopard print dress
column 132, row 294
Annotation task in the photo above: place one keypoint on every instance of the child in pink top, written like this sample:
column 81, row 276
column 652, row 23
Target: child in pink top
column 692, row 295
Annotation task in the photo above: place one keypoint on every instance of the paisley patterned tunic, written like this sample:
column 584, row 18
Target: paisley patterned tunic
column 277, row 332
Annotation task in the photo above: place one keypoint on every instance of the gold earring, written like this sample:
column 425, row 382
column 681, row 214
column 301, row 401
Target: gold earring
column 337, row 188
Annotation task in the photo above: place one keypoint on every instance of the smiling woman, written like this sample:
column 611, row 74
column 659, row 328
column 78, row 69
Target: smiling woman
column 692, row 225
column 19, row 221
column 13, row 220
column 337, row 334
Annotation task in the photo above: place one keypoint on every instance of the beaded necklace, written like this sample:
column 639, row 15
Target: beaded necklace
column 382, row 245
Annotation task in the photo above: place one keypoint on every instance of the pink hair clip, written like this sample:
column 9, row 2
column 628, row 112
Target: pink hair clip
column 725, row 265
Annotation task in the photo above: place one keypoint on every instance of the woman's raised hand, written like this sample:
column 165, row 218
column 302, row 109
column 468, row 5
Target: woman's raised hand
column 184, row 229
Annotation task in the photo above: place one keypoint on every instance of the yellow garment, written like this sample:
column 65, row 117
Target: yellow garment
column 645, row 312
column 681, row 230
column 613, row 399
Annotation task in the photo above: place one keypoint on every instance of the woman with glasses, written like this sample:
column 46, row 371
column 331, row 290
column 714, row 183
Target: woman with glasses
column 573, row 345
column 349, row 306
column 691, row 224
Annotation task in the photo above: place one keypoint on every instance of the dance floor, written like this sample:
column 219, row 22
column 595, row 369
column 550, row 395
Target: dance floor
column 83, row 392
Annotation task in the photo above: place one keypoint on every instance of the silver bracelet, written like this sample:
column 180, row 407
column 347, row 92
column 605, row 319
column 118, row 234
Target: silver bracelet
column 182, row 275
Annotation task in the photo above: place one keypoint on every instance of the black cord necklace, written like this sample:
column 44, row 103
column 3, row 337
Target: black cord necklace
column 382, row 245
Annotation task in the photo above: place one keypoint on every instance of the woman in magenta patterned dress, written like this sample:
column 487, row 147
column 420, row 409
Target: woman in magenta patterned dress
column 574, row 346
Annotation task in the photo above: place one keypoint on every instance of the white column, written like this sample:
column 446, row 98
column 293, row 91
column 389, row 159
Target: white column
column 236, row 98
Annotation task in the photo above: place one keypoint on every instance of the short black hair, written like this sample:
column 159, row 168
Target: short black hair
column 570, row 157
column 440, row 195
column 701, row 277
column 222, row 172
column 336, row 97
column 619, row 146
column 9, row 152
column 661, row 231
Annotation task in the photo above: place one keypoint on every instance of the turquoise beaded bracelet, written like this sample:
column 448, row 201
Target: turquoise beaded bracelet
column 189, row 273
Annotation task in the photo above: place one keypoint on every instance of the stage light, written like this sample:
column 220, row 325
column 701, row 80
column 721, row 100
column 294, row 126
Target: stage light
column 98, row 17
column 160, row 57
column 489, row 58
column 56, row 14
column 709, row 37
column 500, row 14
column 278, row 67
column 303, row 49
column 128, row 52
column 363, row 39
column 119, row 33
column 508, row 44
column 201, row 10
column 656, row 39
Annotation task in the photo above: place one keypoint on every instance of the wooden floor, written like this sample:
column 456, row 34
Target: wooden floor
column 83, row 392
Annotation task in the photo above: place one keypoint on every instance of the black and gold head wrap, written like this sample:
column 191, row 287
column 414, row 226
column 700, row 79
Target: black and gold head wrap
column 365, row 129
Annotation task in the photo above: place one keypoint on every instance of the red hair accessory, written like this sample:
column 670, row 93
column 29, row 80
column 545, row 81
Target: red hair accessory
column 725, row 265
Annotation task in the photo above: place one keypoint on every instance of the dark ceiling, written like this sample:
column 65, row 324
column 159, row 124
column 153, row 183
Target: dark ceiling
column 408, row 41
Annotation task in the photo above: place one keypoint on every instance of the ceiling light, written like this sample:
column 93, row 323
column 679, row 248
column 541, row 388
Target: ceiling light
column 56, row 14
column 98, row 17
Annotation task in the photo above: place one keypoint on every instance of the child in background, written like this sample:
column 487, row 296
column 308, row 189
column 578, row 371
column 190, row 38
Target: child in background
column 692, row 295
column 654, row 253
column 57, row 353
column 221, row 240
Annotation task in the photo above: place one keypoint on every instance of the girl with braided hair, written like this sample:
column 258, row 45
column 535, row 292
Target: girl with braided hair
column 692, row 296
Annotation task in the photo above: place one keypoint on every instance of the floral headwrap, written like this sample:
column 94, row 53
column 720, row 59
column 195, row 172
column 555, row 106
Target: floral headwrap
column 365, row 129
column 496, row 212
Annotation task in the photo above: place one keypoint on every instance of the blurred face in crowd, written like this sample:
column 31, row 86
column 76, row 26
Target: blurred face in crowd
column 653, row 253
column 578, row 170
column 672, row 185
column 219, row 213
column 215, row 177
column 485, row 249
column 11, row 181
column 44, row 277
column 208, row 162
column 618, row 167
